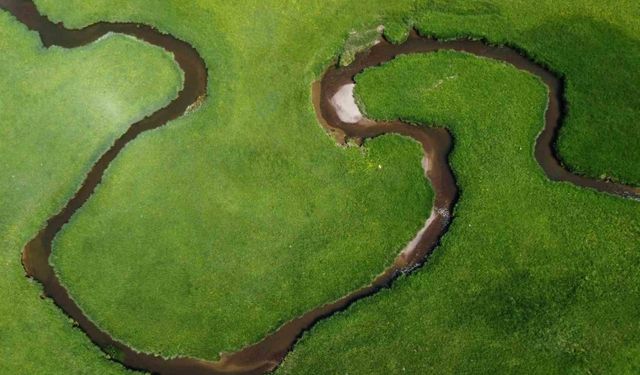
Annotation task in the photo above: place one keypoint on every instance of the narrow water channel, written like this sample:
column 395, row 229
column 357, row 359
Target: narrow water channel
column 267, row 354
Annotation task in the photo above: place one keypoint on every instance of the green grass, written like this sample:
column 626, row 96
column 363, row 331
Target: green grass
column 533, row 276
column 593, row 44
column 59, row 111
column 242, row 216
column 196, row 259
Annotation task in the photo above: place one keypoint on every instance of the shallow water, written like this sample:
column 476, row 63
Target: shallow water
column 267, row 354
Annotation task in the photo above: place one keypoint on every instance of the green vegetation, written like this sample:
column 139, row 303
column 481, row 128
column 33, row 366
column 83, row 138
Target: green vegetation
column 222, row 226
column 211, row 232
column 60, row 110
column 593, row 44
column 533, row 276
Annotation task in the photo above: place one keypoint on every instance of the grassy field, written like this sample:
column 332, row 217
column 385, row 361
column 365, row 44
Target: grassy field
column 59, row 111
column 593, row 44
column 241, row 216
column 533, row 276
column 211, row 232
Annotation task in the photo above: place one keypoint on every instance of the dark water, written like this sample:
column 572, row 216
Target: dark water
column 267, row 354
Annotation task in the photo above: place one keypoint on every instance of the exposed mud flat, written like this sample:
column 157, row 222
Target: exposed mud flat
column 339, row 114
column 345, row 105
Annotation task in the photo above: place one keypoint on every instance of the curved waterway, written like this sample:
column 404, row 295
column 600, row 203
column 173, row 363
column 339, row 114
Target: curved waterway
column 267, row 354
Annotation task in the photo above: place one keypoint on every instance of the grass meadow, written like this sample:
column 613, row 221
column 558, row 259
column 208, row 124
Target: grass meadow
column 532, row 277
column 209, row 233
column 59, row 111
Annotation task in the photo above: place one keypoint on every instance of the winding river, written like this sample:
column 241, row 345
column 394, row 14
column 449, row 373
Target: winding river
column 267, row 354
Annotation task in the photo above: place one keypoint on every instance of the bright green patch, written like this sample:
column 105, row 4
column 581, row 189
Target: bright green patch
column 533, row 276
column 262, row 57
column 209, row 234
column 59, row 110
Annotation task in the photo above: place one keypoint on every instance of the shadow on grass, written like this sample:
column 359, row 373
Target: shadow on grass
column 601, row 63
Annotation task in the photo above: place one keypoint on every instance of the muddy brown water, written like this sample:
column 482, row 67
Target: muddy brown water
column 267, row 354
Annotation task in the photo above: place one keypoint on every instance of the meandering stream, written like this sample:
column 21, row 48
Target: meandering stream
column 267, row 354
